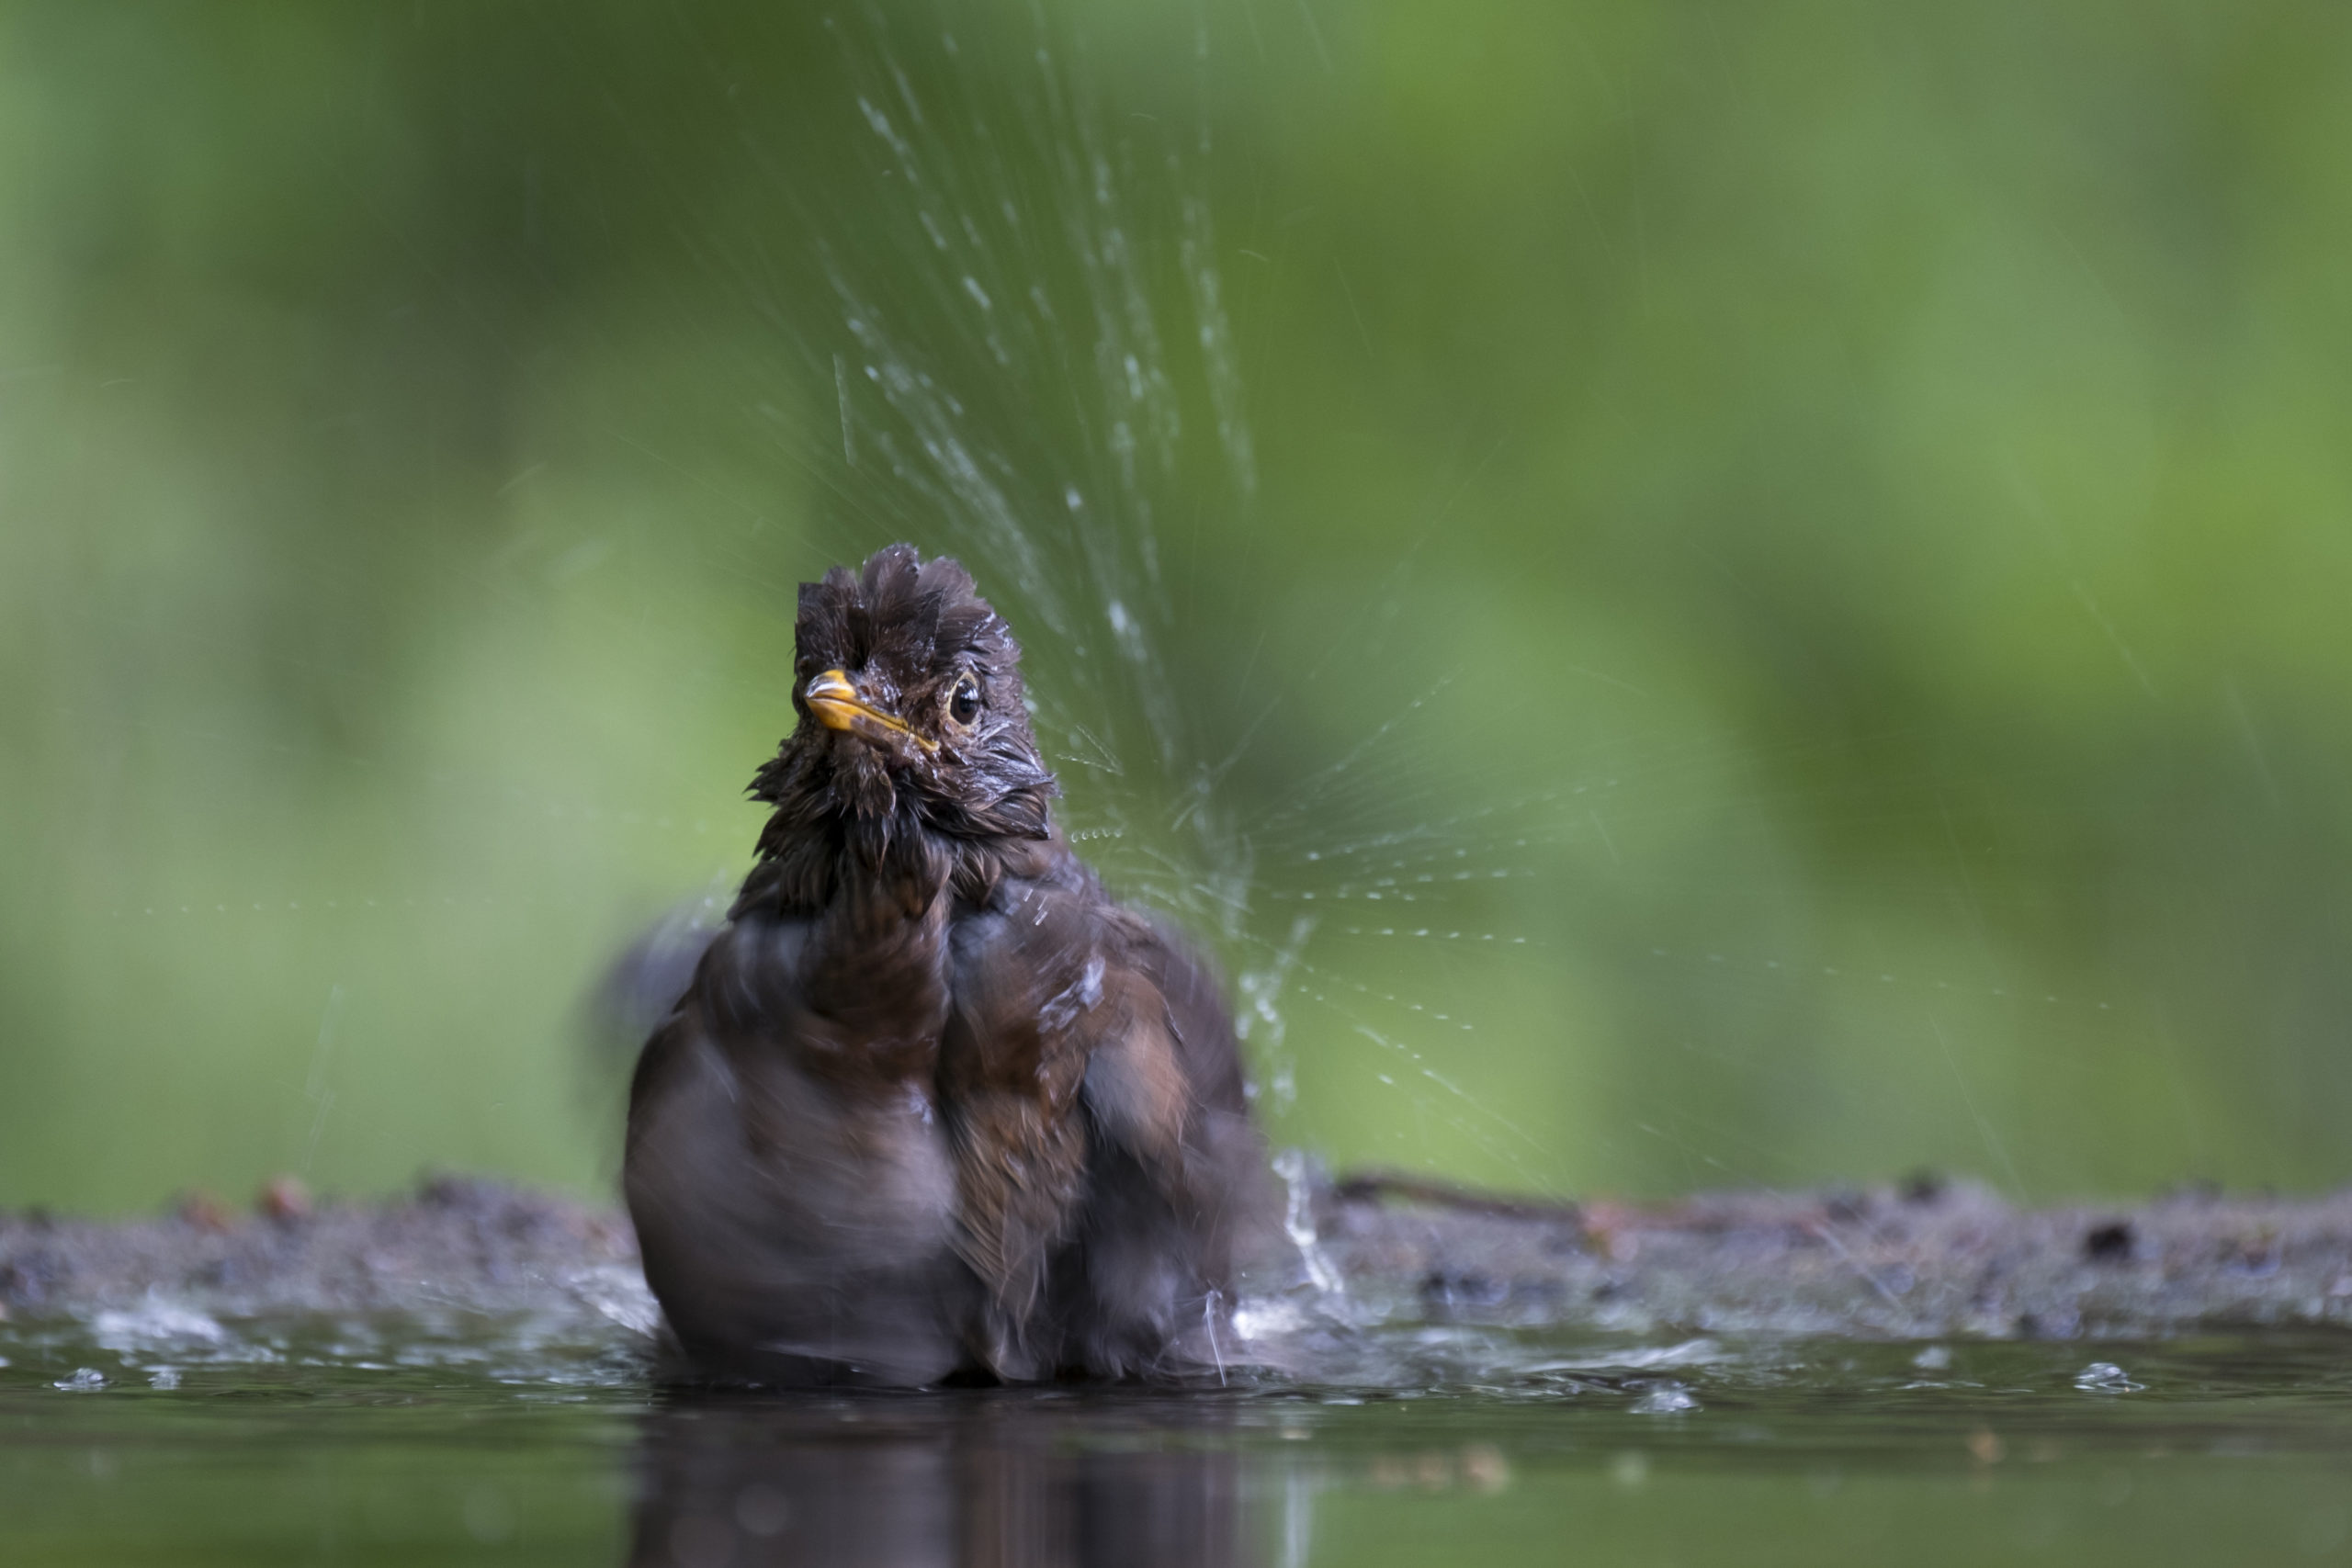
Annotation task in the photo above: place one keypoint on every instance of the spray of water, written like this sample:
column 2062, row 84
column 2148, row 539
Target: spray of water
column 1030, row 350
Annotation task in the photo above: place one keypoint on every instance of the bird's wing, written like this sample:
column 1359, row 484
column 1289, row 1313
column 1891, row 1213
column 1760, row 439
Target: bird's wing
column 1175, row 1214
column 1103, row 1150
column 1027, row 975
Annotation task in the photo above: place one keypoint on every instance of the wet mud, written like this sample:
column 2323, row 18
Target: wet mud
column 1918, row 1260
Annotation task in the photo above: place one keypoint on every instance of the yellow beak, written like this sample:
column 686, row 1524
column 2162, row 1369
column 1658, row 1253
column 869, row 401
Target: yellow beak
column 837, row 705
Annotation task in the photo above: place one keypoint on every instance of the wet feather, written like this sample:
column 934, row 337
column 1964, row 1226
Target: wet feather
column 933, row 1104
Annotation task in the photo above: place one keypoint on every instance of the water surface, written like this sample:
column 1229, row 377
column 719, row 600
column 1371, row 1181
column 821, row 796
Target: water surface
column 166, row 1436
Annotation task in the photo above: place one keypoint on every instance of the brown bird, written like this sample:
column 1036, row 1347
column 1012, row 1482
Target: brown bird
column 933, row 1106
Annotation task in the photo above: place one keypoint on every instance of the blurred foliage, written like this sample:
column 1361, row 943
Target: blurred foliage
column 1821, row 530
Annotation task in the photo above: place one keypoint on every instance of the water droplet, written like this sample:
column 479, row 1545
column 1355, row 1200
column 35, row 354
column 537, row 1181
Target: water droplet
column 1665, row 1398
column 2106, row 1377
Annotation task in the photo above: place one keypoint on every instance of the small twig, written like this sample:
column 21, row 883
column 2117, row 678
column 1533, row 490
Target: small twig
column 1372, row 1186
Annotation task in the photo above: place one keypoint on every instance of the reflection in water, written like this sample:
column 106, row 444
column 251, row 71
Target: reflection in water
column 454, row 1440
column 974, row 1479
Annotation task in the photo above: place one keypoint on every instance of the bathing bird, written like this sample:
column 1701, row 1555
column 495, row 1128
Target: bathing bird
column 935, row 1107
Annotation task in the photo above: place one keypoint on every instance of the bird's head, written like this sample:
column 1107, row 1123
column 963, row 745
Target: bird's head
column 908, row 687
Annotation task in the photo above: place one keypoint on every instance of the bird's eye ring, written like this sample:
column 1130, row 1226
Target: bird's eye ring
column 964, row 704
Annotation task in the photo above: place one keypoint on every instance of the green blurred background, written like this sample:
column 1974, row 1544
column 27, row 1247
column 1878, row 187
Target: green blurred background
column 1816, row 538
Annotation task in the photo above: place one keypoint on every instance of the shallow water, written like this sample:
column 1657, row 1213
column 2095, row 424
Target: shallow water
column 163, row 1436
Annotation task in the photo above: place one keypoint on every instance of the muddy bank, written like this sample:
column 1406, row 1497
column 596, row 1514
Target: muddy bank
column 453, row 1245
column 1926, row 1260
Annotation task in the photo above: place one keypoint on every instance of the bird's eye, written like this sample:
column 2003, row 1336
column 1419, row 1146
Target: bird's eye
column 964, row 706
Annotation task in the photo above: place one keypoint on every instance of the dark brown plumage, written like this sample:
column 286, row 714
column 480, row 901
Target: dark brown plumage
column 934, row 1105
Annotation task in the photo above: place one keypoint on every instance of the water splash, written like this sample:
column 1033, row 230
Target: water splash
column 1298, row 1223
column 1665, row 1397
column 2106, row 1377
